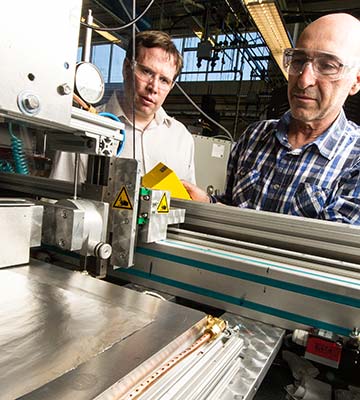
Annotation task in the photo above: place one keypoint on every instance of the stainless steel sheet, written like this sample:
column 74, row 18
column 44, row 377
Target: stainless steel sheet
column 48, row 330
column 65, row 335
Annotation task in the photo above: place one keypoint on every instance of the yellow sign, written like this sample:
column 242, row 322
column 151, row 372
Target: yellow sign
column 123, row 200
column 163, row 207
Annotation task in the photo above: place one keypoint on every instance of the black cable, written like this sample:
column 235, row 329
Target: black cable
column 119, row 28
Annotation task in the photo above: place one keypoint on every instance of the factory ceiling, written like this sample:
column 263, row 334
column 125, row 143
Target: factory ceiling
column 183, row 17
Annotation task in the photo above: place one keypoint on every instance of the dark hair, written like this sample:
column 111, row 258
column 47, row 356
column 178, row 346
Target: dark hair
column 151, row 39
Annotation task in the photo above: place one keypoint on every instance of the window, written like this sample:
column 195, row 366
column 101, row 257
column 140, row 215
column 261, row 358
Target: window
column 117, row 60
column 79, row 54
column 101, row 58
column 244, row 57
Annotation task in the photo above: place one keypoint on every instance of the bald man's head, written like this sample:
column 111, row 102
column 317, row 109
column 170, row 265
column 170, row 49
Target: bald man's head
column 324, row 69
column 336, row 33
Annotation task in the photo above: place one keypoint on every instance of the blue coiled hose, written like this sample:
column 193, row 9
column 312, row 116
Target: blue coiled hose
column 115, row 118
column 5, row 166
column 21, row 164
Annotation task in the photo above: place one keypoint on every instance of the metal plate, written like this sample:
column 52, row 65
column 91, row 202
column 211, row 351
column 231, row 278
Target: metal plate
column 261, row 344
column 64, row 335
column 15, row 234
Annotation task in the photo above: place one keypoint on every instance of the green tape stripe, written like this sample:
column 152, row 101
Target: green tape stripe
column 291, row 287
column 239, row 302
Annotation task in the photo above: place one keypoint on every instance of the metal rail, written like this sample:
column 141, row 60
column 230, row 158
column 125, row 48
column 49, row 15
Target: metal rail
column 302, row 235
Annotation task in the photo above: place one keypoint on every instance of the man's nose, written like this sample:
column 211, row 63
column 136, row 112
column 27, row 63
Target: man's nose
column 153, row 84
column 307, row 76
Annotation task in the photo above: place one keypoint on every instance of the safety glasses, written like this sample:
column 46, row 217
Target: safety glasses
column 148, row 75
column 325, row 65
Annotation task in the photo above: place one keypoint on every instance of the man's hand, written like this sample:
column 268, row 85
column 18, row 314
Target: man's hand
column 196, row 193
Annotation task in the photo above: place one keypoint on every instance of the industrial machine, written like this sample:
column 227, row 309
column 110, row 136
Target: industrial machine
column 64, row 333
column 289, row 271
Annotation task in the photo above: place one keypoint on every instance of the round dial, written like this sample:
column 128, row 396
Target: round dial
column 89, row 83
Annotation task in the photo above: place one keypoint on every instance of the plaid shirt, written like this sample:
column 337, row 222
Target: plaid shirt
column 320, row 180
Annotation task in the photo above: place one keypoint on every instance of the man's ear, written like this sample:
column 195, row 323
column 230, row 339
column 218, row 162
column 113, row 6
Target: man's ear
column 356, row 86
column 126, row 68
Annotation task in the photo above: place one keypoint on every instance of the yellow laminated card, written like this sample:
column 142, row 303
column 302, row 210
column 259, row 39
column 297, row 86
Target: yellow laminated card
column 163, row 178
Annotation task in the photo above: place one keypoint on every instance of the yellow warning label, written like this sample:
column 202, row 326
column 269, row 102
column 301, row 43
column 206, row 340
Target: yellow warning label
column 123, row 200
column 163, row 207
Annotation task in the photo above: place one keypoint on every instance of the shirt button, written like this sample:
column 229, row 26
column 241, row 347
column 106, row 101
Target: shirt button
column 276, row 186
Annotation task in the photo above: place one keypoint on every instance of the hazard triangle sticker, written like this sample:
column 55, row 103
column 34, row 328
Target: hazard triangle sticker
column 163, row 207
column 123, row 200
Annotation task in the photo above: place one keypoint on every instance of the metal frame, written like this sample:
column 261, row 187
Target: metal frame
column 248, row 267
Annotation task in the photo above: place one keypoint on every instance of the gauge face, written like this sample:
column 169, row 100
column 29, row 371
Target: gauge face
column 89, row 83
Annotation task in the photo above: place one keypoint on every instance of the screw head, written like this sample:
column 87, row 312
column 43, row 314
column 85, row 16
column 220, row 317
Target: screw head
column 31, row 102
column 64, row 89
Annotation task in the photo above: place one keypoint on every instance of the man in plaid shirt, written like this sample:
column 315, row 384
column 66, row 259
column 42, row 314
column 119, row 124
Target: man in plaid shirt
column 308, row 162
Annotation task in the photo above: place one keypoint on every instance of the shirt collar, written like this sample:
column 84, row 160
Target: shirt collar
column 161, row 117
column 326, row 142
column 113, row 106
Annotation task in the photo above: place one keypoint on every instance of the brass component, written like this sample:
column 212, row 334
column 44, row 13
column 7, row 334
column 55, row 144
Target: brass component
column 215, row 326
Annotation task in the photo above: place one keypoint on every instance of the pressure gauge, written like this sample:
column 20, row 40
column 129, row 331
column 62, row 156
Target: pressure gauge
column 89, row 83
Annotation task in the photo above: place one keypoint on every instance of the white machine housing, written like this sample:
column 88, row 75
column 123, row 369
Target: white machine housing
column 44, row 57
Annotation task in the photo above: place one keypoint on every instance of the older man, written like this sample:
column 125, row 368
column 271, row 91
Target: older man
column 151, row 135
column 308, row 162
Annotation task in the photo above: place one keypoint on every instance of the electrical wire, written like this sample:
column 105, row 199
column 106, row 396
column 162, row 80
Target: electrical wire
column 81, row 102
column 115, row 118
column 21, row 164
column 228, row 134
column 127, row 13
column 119, row 28
column 5, row 166
column 133, row 86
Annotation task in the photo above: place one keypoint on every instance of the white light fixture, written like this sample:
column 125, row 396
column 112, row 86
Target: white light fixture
column 107, row 35
column 267, row 18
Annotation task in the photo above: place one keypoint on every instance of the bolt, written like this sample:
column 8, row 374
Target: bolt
column 61, row 242
column 64, row 89
column 146, row 197
column 31, row 102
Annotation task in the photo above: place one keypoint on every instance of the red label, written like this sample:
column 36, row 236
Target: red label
column 324, row 348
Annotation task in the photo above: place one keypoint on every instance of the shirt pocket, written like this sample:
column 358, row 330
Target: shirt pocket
column 310, row 200
column 246, row 188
